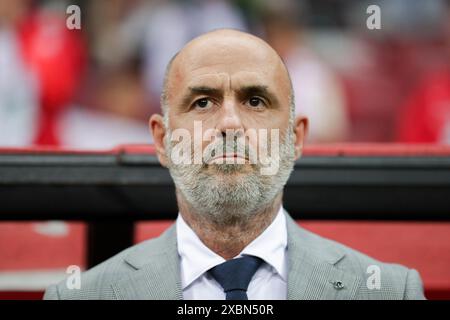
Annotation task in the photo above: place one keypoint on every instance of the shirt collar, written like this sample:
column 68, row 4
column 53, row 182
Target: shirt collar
column 197, row 258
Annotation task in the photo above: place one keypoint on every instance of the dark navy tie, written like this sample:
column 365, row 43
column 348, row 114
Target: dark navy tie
column 234, row 276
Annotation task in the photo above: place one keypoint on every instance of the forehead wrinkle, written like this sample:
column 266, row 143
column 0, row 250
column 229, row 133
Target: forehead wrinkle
column 206, row 79
column 239, row 79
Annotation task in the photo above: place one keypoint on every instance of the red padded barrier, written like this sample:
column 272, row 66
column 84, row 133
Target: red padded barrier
column 377, row 149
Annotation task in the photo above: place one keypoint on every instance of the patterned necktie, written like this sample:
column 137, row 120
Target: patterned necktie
column 234, row 276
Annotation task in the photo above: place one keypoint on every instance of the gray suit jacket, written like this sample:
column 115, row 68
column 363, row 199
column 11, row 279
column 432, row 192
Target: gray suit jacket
column 151, row 270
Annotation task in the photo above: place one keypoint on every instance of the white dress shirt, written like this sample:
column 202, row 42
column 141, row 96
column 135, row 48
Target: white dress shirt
column 269, row 281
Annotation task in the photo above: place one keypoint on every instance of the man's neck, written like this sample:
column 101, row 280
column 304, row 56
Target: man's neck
column 228, row 241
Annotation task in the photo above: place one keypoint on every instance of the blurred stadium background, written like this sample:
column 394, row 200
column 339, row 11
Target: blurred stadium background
column 94, row 89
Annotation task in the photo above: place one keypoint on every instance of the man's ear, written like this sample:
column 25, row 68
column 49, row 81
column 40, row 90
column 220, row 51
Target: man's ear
column 158, row 131
column 300, row 131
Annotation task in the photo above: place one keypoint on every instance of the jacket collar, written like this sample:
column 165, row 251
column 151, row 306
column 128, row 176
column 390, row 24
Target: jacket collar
column 157, row 271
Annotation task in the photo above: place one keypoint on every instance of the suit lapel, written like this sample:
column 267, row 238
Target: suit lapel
column 313, row 274
column 157, row 274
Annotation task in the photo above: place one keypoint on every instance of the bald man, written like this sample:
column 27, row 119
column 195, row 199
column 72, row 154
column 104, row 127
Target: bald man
column 223, row 92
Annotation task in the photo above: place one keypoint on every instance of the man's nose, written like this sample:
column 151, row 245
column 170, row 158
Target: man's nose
column 229, row 117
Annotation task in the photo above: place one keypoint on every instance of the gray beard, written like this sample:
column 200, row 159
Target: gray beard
column 219, row 194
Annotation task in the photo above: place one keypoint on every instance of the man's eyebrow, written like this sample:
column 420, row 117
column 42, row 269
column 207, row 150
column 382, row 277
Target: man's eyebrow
column 200, row 90
column 257, row 90
column 244, row 92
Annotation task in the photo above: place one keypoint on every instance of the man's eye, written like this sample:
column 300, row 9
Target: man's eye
column 255, row 102
column 202, row 103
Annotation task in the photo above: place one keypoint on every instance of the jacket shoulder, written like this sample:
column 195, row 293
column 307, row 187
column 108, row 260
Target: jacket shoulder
column 381, row 280
column 96, row 283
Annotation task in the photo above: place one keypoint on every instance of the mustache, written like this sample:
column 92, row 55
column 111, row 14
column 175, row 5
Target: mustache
column 221, row 147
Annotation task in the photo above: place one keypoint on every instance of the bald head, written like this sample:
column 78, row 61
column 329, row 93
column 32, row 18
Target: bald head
column 229, row 50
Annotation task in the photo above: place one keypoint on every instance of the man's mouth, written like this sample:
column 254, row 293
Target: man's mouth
column 231, row 158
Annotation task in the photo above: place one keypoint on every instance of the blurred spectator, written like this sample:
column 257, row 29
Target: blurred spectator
column 425, row 114
column 56, row 55
column 18, row 89
column 425, row 117
column 318, row 92
column 41, row 62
